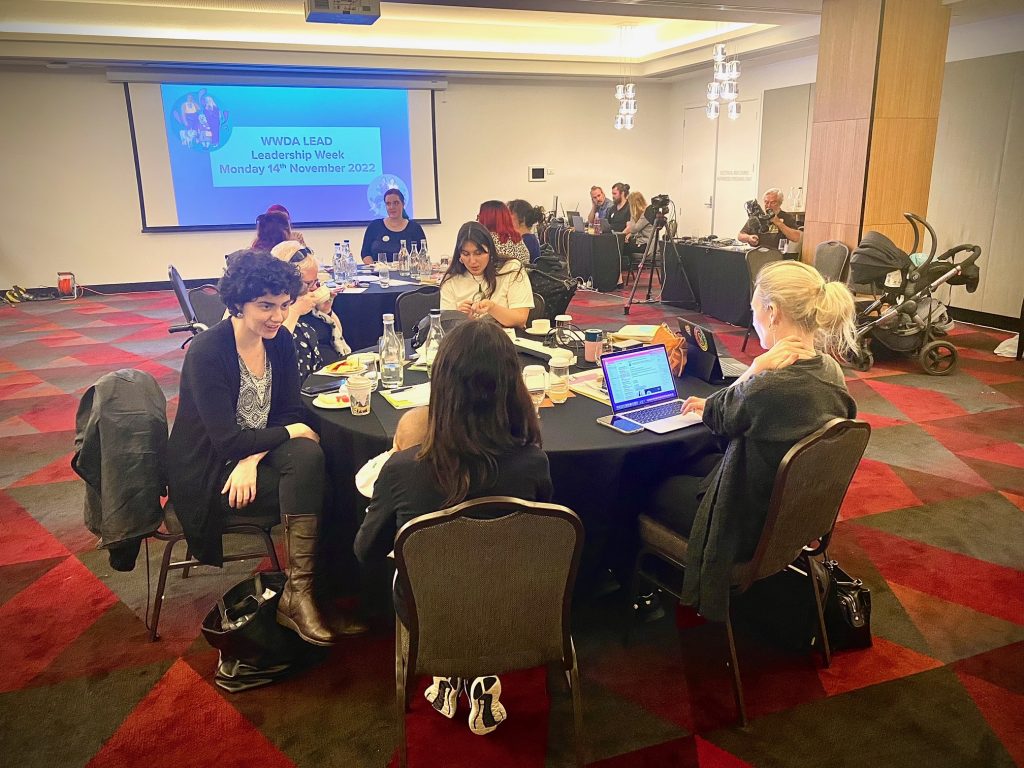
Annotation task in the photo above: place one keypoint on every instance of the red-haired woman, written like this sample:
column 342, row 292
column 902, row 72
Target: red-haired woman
column 272, row 228
column 496, row 216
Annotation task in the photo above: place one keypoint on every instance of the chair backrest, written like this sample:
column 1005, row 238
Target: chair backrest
column 539, row 310
column 207, row 304
column 500, row 596
column 831, row 259
column 413, row 306
column 810, row 486
column 178, row 286
column 757, row 258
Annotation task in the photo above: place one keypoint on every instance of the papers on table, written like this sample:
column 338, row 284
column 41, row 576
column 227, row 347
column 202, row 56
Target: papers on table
column 588, row 384
column 354, row 289
column 638, row 332
column 408, row 397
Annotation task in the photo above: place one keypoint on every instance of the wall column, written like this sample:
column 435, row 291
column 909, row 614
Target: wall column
column 879, row 82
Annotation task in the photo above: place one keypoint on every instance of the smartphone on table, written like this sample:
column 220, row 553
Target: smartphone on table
column 620, row 424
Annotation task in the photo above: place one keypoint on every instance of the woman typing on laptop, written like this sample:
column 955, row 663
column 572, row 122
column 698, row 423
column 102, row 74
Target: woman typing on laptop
column 787, row 393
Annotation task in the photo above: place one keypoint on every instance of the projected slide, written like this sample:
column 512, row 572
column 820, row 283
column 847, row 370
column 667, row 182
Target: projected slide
column 327, row 154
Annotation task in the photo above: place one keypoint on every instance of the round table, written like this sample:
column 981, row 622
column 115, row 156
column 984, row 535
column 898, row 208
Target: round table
column 360, row 313
column 601, row 474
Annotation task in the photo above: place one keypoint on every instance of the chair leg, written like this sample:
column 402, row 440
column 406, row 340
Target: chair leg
column 401, row 697
column 737, row 685
column 573, row 674
column 161, row 584
column 271, row 550
column 746, row 336
column 188, row 556
column 826, row 648
column 634, row 592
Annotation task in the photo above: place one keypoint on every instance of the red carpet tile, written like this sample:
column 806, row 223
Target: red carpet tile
column 76, row 631
column 985, row 587
column 42, row 619
column 876, row 488
column 23, row 539
column 881, row 662
column 183, row 703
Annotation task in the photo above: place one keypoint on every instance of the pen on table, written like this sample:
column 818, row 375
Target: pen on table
column 399, row 389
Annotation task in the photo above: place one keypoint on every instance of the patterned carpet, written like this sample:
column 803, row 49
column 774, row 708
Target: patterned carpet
column 934, row 524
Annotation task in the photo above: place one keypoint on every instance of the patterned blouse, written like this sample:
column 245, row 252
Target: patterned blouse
column 307, row 349
column 253, row 408
column 510, row 250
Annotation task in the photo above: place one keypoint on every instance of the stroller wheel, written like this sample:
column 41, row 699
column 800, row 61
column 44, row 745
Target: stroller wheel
column 939, row 358
column 860, row 359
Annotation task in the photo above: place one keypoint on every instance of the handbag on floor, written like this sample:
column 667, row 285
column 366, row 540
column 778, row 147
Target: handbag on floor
column 847, row 609
column 254, row 649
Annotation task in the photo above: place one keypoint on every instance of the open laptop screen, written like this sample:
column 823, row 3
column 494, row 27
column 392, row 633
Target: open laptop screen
column 638, row 377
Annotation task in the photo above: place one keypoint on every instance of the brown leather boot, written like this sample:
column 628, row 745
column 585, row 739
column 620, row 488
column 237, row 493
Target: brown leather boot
column 297, row 609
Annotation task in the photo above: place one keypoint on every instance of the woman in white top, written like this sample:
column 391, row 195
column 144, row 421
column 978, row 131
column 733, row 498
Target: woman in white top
column 480, row 282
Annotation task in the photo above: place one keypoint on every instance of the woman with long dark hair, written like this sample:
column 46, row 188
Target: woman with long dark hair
column 386, row 235
column 526, row 217
column 496, row 216
column 241, row 448
column 272, row 227
column 479, row 281
column 483, row 439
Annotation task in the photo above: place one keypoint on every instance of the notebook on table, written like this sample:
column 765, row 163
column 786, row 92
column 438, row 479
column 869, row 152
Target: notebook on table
column 702, row 357
column 641, row 388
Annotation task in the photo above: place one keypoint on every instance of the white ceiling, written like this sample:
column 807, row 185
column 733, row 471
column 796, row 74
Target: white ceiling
column 659, row 39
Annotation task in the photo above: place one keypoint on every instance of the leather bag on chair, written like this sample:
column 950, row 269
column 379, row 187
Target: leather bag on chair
column 254, row 649
column 675, row 345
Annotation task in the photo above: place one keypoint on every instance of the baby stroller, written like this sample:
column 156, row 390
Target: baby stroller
column 904, row 315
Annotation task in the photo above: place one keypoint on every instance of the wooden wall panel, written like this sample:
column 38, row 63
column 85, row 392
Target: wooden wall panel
column 911, row 59
column 838, row 159
column 847, row 50
column 899, row 169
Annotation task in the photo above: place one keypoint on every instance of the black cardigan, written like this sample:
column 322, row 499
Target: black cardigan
column 206, row 438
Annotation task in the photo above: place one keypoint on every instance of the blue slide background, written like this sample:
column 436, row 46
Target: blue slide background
column 200, row 203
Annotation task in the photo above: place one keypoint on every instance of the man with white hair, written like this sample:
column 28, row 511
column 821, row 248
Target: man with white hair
column 768, row 233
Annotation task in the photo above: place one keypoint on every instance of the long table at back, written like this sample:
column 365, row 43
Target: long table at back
column 590, row 257
column 717, row 276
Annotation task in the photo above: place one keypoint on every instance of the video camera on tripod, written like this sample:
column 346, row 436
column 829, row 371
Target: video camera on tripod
column 756, row 212
column 660, row 204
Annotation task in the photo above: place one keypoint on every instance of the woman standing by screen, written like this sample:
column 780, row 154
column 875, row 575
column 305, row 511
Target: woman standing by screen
column 385, row 235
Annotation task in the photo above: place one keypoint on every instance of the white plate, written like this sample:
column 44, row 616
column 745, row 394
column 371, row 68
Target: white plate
column 330, row 401
column 536, row 333
column 347, row 372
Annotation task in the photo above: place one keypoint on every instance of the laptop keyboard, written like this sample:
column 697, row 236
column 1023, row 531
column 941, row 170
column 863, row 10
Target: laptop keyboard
column 655, row 412
column 732, row 367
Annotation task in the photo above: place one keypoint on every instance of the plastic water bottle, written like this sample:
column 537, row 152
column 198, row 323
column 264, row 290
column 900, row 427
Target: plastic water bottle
column 350, row 260
column 434, row 336
column 338, row 265
column 403, row 259
column 392, row 355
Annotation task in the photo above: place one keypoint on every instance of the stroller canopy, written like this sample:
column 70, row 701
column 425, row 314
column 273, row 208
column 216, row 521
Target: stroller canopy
column 875, row 257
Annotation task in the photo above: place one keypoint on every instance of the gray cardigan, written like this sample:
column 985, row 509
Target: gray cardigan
column 763, row 417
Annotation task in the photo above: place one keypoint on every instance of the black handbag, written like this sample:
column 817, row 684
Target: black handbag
column 254, row 649
column 550, row 279
column 847, row 609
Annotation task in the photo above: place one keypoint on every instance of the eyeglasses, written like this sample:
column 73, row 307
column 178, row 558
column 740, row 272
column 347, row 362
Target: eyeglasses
column 300, row 255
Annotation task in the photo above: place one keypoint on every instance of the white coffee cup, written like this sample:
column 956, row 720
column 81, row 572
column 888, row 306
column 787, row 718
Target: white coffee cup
column 540, row 325
column 360, row 389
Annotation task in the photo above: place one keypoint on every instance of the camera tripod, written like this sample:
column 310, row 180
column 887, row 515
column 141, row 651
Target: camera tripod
column 650, row 252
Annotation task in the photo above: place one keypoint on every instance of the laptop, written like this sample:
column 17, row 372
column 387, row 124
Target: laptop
column 606, row 226
column 576, row 221
column 702, row 357
column 642, row 389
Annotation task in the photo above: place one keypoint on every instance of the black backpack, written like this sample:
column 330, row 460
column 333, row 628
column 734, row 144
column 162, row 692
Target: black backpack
column 550, row 279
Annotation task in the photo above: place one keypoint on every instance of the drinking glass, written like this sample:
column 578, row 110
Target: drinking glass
column 536, row 380
column 372, row 362
column 558, row 380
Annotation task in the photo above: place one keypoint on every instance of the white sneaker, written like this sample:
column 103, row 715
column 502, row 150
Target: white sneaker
column 443, row 695
column 485, row 711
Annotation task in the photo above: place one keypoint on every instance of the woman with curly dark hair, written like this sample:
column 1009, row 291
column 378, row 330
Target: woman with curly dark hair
column 241, row 449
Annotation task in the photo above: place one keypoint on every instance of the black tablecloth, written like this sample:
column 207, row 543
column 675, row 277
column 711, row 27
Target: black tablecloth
column 718, row 277
column 599, row 473
column 593, row 257
column 360, row 313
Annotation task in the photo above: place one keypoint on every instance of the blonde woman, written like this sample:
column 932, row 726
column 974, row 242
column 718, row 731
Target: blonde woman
column 789, row 391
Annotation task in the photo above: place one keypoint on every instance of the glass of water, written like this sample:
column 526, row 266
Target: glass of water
column 558, row 380
column 536, row 380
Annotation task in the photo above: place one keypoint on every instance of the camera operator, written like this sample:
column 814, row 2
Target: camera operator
column 775, row 225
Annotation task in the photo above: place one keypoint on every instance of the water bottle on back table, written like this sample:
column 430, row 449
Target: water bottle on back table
column 392, row 355
column 338, row 266
column 350, row 260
